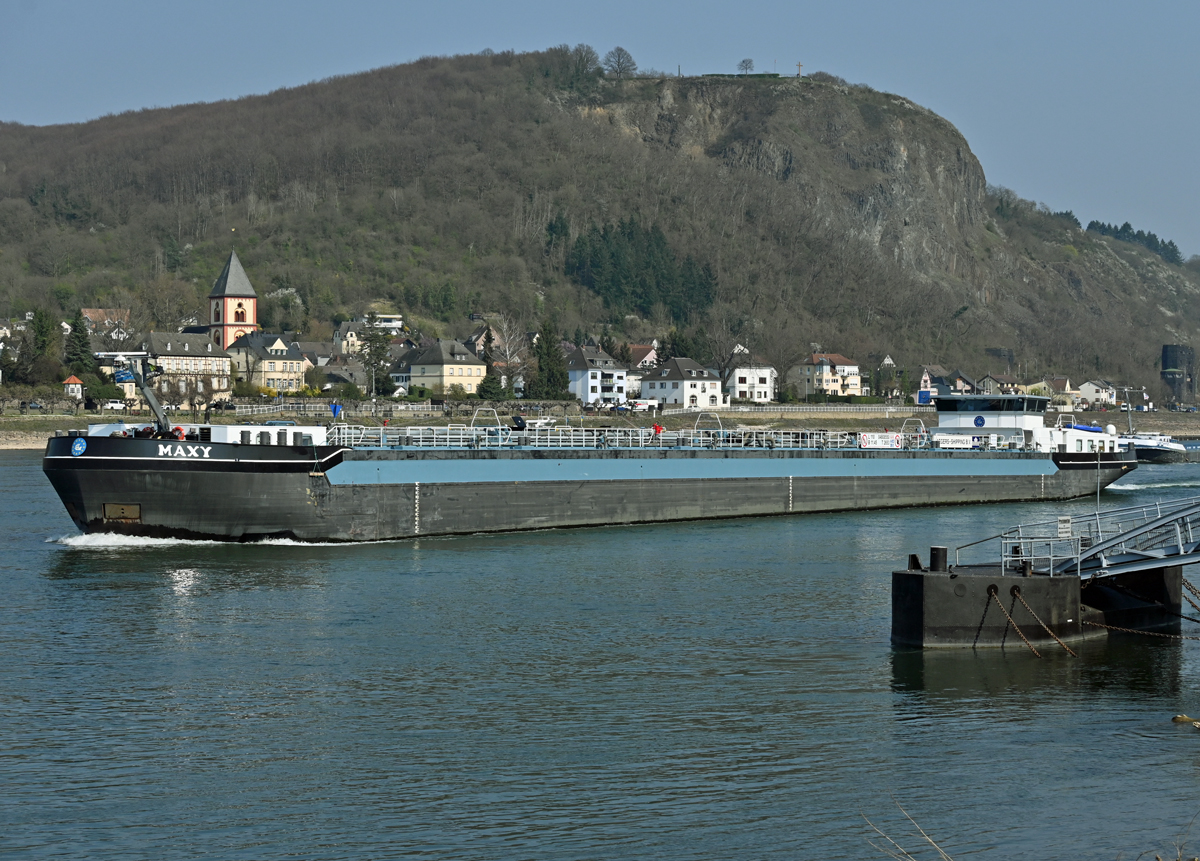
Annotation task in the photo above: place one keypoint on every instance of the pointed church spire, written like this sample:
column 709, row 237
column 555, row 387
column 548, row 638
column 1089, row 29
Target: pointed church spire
column 233, row 280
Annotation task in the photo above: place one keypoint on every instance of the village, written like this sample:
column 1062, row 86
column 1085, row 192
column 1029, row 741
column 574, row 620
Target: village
column 207, row 366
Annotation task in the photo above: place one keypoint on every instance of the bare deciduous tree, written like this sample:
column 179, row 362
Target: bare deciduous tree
column 510, row 351
column 746, row 66
column 619, row 62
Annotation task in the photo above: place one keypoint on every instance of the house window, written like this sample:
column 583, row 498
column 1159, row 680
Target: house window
column 742, row 393
column 593, row 390
column 712, row 400
column 762, row 381
column 595, row 375
column 692, row 401
column 741, row 381
column 674, row 385
column 693, row 385
column 270, row 366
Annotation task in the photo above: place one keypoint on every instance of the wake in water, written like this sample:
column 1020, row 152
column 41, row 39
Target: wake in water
column 110, row 541
column 1152, row 485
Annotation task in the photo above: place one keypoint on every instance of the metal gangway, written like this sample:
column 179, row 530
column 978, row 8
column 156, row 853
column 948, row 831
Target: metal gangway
column 1103, row 543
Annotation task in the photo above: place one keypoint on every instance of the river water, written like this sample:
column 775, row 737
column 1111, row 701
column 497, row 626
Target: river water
column 692, row 691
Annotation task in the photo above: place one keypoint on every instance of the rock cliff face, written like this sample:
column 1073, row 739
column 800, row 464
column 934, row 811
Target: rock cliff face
column 876, row 166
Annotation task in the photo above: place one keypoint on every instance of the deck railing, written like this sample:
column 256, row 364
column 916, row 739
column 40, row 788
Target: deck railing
column 462, row 436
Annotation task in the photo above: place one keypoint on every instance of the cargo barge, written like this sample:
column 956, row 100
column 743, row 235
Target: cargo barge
column 346, row 483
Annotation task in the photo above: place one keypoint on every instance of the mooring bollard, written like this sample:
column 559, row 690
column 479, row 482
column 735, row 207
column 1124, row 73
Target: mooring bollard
column 937, row 558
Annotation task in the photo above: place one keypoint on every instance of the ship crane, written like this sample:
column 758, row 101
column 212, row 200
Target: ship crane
column 143, row 371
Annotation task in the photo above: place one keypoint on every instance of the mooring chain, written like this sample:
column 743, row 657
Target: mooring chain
column 1147, row 633
column 1132, row 594
column 1021, row 598
column 1194, row 591
column 1014, row 624
column 987, row 605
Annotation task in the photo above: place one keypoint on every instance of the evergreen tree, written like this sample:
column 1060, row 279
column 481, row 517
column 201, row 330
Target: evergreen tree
column 44, row 331
column 375, row 357
column 624, row 355
column 607, row 343
column 490, row 388
column 632, row 268
column 79, row 348
column 551, row 380
column 579, row 337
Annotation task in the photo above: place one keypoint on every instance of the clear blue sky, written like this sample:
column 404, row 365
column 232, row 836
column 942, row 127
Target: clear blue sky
column 1089, row 106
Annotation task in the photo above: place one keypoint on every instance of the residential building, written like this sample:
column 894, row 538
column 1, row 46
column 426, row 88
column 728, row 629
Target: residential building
column 73, row 387
column 831, row 374
column 1061, row 391
column 232, row 304
column 343, row 369
column 1098, row 393
column 936, row 380
column 753, row 380
column 444, row 364
column 268, row 362
column 644, row 355
column 684, row 382
column 595, row 376
column 108, row 328
column 193, row 370
column 347, row 337
column 998, row 384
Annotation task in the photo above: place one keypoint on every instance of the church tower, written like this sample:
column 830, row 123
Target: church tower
column 232, row 304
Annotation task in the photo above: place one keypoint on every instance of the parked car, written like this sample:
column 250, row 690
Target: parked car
column 34, row 405
column 115, row 405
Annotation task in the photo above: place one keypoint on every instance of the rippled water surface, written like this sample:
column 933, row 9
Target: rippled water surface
column 692, row 691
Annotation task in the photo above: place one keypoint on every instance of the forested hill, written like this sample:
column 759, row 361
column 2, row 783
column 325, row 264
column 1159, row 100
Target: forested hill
column 776, row 212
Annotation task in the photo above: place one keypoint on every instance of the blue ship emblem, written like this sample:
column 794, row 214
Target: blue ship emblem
column 78, row 447
column 978, row 421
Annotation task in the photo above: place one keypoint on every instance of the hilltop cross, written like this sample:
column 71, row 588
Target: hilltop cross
column 799, row 66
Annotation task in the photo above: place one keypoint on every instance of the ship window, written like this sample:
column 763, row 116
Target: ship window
column 1078, row 445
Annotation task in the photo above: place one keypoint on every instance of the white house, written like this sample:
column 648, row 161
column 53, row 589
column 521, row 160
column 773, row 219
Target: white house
column 73, row 387
column 1098, row 392
column 596, row 377
column 684, row 382
column 751, row 380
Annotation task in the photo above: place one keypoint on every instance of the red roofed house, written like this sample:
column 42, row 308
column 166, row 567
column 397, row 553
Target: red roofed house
column 73, row 387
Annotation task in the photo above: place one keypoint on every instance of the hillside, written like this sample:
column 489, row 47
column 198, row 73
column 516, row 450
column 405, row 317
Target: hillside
column 774, row 211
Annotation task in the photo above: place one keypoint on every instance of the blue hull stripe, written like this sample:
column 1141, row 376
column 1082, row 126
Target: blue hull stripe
column 508, row 470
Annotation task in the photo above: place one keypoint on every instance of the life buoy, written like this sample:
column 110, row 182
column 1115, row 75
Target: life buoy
column 178, row 431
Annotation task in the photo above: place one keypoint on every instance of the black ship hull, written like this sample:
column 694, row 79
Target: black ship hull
column 335, row 493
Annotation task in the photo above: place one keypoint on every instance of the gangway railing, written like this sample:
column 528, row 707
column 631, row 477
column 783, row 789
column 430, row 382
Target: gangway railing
column 1103, row 543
